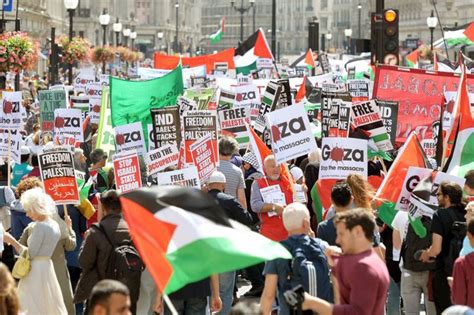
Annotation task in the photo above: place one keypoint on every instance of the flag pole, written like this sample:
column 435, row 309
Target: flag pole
column 9, row 156
column 170, row 305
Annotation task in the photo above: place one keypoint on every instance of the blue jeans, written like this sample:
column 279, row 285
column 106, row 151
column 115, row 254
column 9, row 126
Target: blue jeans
column 226, row 291
column 393, row 303
column 192, row 306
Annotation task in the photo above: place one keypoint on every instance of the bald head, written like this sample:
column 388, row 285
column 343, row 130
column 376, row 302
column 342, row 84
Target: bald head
column 271, row 168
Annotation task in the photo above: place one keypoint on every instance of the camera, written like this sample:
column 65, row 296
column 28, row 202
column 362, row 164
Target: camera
column 295, row 296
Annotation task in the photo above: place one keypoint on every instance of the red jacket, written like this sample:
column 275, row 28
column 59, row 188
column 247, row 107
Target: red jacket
column 462, row 291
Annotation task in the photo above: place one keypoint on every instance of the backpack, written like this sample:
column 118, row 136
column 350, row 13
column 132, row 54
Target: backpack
column 124, row 264
column 458, row 232
column 308, row 267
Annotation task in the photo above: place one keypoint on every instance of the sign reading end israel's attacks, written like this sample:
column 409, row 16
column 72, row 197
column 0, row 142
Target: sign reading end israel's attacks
column 341, row 157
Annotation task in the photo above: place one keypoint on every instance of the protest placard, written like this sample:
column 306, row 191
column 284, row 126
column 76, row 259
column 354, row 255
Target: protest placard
column 151, row 137
column 94, row 110
column 68, row 121
column 184, row 104
column 331, row 94
column 344, row 119
column 187, row 177
column 413, row 177
column 198, row 124
column 58, row 175
column 11, row 111
column 291, row 135
column 341, row 157
column 247, row 96
column 268, row 104
column 334, row 118
column 166, row 126
column 161, row 158
column 127, row 172
column 50, row 100
column 84, row 77
column 389, row 113
column 130, row 137
column 441, row 177
column 232, row 122
column 366, row 117
column 359, row 90
column 202, row 152
column 285, row 96
column 226, row 100
column 10, row 148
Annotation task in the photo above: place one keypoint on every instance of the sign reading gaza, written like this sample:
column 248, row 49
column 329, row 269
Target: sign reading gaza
column 343, row 156
column 291, row 135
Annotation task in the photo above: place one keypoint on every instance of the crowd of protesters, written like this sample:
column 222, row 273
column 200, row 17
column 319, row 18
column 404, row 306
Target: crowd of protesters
column 363, row 265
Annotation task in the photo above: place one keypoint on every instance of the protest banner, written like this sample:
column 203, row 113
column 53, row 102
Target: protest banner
column 333, row 130
column 226, row 100
column 94, row 110
column 204, row 98
column 58, row 175
column 268, row 104
column 104, row 80
column 285, row 96
column 49, row 100
column 130, row 138
column 359, row 90
column 158, row 159
column 84, row 77
column 202, row 152
column 198, row 124
column 184, row 104
column 366, row 117
column 68, row 121
column 331, row 94
column 187, row 177
column 166, row 126
column 10, row 144
column 413, row 177
column 389, row 113
column 291, row 135
column 127, row 172
column 419, row 94
column 131, row 101
column 11, row 111
column 247, row 96
column 232, row 122
column 341, row 157
column 105, row 133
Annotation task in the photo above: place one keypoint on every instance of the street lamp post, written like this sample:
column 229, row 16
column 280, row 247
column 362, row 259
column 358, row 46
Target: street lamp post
column 71, row 6
column 273, row 27
column 104, row 20
column 243, row 10
column 329, row 37
column 133, row 36
column 176, row 45
column 359, row 8
column 126, row 34
column 117, row 27
column 432, row 21
column 348, row 34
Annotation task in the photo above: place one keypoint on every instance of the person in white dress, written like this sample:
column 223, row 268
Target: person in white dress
column 39, row 291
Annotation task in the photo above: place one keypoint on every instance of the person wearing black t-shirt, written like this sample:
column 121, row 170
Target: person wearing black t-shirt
column 450, row 210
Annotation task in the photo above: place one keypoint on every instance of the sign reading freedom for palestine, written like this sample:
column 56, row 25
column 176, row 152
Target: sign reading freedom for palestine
column 58, row 175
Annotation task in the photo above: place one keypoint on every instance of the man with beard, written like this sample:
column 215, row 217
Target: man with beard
column 80, row 161
column 269, row 195
column 443, row 233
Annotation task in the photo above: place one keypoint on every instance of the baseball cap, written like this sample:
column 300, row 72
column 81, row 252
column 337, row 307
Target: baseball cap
column 25, row 150
column 296, row 172
column 217, row 177
column 97, row 155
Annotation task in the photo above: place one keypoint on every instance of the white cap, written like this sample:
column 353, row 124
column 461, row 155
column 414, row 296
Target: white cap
column 25, row 150
column 296, row 172
column 217, row 177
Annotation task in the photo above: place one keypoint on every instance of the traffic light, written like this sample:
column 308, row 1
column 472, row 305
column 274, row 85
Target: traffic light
column 390, row 37
column 313, row 36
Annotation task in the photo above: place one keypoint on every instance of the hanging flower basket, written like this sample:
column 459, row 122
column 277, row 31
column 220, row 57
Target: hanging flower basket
column 17, row 52
column 103, row 54
column 78, row 50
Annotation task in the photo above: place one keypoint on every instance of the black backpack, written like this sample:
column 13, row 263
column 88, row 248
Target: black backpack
column 124, row 264
column 458, row 232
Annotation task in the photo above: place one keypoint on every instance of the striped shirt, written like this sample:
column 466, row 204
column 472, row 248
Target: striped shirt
column 234, row 177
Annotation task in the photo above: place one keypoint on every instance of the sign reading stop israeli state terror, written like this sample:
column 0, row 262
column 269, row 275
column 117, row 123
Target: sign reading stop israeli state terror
column 130, row 138
column 341, row 157
column 58, row 175
column 49, row 100
column 291, row 135
column 11, row 111
column 204, row 159
column 68, row 121
column 127, row 172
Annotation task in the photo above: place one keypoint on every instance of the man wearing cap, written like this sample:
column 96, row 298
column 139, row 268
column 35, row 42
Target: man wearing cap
column 22, row 169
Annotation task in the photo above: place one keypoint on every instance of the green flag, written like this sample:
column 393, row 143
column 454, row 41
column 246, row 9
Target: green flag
column 131, row 101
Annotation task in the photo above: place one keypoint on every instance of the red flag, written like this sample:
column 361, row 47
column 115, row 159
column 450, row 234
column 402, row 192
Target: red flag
column 469, row 32
column 301, row 91
column 308, row 59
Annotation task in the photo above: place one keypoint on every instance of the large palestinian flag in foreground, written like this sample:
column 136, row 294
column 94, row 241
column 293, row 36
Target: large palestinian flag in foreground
column 184, row 236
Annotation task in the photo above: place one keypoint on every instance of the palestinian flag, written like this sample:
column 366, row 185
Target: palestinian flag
column 442, row 63
column 412, row 58
column 226, row 100
column 308, row 59
column 184, row 236
column 461, row 158
column 248, row 69
column 321, row 196
column 469, row 32
column 411, row 154
column 251, row 49
column 454, row 38
column 301, row 94
column 217, row 36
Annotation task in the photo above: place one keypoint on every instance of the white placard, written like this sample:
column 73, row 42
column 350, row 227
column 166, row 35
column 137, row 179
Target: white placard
column 161, row 158
column 68, row 121
column 187, row 177
column 130, row 137
column 413, row 177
